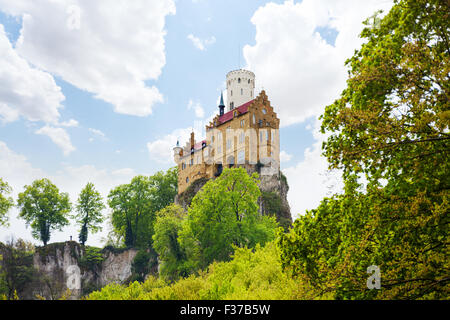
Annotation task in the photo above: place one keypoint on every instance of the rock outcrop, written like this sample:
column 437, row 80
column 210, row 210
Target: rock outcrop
column 62, row 266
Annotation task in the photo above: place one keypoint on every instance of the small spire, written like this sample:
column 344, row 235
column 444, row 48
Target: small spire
column 221, row 105
column 221, row 99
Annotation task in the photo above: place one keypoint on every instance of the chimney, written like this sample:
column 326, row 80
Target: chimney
column 192, row 140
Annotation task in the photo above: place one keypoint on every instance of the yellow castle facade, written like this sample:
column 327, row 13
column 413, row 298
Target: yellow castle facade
column 247, row 135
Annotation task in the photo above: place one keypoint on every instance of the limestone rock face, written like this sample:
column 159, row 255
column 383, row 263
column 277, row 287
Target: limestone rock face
column 116, row 268
column 274, row 189
column 59, row 267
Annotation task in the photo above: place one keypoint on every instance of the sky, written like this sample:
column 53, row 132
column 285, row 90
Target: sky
column 100, row 91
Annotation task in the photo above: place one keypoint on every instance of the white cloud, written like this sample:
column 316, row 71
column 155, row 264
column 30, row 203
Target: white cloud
column 160, row 149
column 299, row 70
column 24, row 90
column 198, row 109
column 199, row 43
column 108, row 49
column 69, row 124
column 97, row 132
column 310, row 180
column 18, row 172
column 59, row 136
column 285, row 157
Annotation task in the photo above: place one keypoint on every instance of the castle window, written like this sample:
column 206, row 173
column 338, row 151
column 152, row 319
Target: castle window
column 231, row 105
column 242, row 92
column 264, row 111
column 231, row 92
column 241, row 138
column 183, row 166
column 254, row 119
column 241, row 157
column 248, row 81
column 187, row 179
column 239, row 80
column 235, row 113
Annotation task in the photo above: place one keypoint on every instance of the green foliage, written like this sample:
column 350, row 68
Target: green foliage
column 16, row 267
column 5, row 202
column 134, row 206
column 272, row 202
column 142, row 264
column 249, row 275
column 44, row 208
column 89, row 211
column 222, row 214
column 389, row 125
column 92, row 258
column 169, row 223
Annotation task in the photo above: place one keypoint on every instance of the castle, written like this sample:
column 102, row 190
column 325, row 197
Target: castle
column 246, row 135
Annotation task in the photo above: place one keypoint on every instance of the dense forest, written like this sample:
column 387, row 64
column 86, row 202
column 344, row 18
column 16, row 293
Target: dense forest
column 388, row 133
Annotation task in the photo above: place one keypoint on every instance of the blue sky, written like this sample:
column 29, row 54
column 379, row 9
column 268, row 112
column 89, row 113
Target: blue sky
column 100, row 93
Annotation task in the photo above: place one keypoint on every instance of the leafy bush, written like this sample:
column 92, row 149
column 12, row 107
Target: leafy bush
column 251, row 274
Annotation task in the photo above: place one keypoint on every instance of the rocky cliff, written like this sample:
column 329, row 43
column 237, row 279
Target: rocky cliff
column 68, row 265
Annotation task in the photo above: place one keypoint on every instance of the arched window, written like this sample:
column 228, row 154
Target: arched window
column 187, row 179
column 264, row 111
column 248, row 81
column 254, row 119
column 239, row 80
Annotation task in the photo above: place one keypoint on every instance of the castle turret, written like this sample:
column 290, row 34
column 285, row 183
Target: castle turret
column 177, row 153
column 240, row 87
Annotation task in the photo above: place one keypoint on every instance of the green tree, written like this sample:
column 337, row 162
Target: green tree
column 89, row 211
column 391, row 126
column 164, row 187
column 16, row 267
column 169, row 222
column 5, row 202
column 134, row 206
column 223, row 214
column 44, row 208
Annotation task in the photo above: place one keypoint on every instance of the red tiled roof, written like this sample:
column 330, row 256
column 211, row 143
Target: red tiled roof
column 199, row 145
column 230, row 114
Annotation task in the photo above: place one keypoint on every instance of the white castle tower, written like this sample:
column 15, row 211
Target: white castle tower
column 240, row 88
